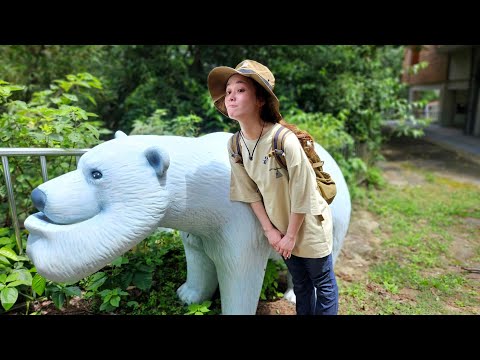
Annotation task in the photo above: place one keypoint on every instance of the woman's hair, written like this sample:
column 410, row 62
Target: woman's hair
column 268, row 115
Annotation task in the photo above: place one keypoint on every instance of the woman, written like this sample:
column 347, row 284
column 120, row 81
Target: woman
column 296, row 220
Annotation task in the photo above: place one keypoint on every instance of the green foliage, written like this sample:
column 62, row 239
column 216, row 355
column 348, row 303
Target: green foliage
column 186, row 125
column 374, row 177
column 61, row 293
column 416, row 68
column 199, row 309
column 39, row 65
column 406, row 123
column 157, row 125
column 16, row 280
column 427, row 96
column 39, row 284
column 50, row 119
column 7, row 90
column 143, row 280
column 111, row 299
column 327, row 130
column 12, row 278
column 270, row 281
column 361, row 81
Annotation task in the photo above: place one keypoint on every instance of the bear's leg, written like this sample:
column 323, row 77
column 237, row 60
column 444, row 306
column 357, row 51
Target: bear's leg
column 289, row 294
column 201, row 274
column 240, row 282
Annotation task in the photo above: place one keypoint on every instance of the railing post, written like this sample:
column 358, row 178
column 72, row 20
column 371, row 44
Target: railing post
column 43, row 166
column 42, row 153
column 11, row 202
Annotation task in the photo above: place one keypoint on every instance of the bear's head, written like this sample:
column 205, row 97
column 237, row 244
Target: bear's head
column 113, row 200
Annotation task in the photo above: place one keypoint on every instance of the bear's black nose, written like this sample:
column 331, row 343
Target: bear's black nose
column 39, row 199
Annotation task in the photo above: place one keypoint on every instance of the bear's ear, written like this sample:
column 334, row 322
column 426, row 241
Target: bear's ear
column 119, row 134
column 158, row 159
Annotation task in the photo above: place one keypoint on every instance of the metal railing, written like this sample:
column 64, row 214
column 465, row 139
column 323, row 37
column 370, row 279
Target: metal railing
column 42, row 153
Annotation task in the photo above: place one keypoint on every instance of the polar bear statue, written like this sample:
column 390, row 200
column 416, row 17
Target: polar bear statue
column 127, row 187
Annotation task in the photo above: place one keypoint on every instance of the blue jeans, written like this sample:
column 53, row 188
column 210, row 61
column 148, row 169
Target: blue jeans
column 314, row 285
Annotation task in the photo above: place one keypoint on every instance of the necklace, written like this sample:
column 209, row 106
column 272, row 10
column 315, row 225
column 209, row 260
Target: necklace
column 250, row 156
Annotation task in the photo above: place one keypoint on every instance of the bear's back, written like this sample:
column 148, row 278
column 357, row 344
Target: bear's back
column 189, row 150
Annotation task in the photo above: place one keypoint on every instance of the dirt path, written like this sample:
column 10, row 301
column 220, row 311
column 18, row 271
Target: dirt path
column 402, row 157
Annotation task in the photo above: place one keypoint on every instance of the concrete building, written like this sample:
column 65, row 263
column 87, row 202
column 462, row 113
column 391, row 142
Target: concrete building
column 454, row 72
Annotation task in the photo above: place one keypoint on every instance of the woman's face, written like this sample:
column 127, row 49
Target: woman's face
column 241, row 98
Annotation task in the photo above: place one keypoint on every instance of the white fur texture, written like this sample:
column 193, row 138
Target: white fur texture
column 174, row 182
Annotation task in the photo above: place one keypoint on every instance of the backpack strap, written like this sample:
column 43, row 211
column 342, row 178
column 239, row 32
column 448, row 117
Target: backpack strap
column 278, row 142
column 318, row 164
column 235, row 149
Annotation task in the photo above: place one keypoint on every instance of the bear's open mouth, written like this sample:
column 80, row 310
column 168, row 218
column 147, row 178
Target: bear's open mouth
column 39, row 222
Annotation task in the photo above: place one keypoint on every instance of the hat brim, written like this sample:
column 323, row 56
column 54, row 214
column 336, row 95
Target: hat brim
column 217, row 83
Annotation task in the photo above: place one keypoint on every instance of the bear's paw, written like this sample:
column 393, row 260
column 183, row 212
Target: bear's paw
column 189, row 295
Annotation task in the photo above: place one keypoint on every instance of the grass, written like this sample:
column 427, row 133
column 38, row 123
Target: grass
column 422, row 228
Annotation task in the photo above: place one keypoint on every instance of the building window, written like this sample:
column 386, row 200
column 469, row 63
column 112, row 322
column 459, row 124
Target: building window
column 415, row 56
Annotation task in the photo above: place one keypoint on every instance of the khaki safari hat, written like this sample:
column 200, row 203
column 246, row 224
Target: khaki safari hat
column 218, row 77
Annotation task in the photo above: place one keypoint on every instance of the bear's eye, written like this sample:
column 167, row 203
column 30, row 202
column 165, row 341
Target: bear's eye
column 96, row 174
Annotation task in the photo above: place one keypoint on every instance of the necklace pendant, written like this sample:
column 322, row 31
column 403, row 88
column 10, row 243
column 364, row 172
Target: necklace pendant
column 278, row 174
column 251, row 158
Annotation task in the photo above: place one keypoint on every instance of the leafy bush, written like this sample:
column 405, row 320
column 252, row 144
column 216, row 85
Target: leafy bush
column 157, row 125
column 50, row 119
